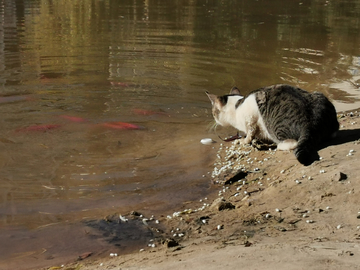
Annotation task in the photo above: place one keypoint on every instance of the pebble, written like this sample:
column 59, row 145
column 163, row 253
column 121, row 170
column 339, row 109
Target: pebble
column 170, row 243
column 339, row 176
column 220, row 204
column 123, row 219
column 207, row 141
column 309, row 221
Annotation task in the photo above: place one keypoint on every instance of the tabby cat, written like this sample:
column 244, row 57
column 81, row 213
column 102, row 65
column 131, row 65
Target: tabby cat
column 291, row 117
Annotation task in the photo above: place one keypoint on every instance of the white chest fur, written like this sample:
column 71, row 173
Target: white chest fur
column 247, row 116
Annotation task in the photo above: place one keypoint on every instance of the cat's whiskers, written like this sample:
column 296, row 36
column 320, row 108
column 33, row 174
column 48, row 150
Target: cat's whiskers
column 228, row 139
column 212, row 126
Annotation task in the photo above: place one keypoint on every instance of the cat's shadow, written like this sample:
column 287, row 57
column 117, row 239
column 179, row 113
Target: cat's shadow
column 343, row 136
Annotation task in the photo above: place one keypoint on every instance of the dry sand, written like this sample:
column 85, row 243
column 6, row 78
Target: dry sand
column 281, row 215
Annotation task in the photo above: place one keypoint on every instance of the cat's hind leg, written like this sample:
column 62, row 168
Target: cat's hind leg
column 287, row 145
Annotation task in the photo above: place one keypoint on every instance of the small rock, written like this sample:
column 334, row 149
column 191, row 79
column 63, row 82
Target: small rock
column 339, row 176
column 84, row 256
column 220, row 204
column 170, row 243
column 247, row 243
column 281, row 229
column 207, row 141
column 135, row 213
column 248, row 203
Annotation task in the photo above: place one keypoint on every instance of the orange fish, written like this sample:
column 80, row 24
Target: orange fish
column 121, row 125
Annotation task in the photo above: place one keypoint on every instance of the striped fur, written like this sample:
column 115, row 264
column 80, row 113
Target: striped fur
column 291, row 117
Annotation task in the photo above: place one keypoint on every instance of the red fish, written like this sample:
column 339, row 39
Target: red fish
column 39, row 128
column 147, row 112
column 121, row 125
column 73, row 118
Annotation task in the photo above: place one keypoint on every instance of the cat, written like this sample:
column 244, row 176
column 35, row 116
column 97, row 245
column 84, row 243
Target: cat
column 291, row 117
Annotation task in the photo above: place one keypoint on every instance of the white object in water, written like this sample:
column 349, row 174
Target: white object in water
column 207, row 141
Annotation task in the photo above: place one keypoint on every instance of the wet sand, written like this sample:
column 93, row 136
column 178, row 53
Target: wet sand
column 281, row 215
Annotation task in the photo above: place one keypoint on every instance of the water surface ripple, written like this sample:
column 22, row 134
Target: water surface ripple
column 103, row 103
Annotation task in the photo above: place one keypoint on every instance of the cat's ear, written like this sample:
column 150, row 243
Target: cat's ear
column 211, row 97
column 235, row 91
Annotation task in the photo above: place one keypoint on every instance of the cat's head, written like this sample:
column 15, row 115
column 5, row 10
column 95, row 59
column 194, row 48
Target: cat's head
column 224, row 107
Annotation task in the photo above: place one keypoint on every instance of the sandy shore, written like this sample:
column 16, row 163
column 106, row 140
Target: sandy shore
column 267, row 211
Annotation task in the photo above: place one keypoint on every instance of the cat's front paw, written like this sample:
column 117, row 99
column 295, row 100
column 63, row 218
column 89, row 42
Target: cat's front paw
column 245, row 140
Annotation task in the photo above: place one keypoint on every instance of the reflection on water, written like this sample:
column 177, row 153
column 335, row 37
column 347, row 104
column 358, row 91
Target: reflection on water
column 103, row 103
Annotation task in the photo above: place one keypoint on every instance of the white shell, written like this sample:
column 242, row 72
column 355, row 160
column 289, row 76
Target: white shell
column 123, row 219
column 207, row 141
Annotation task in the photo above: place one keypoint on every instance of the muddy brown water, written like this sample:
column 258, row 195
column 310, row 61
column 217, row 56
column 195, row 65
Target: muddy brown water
column 71, row 73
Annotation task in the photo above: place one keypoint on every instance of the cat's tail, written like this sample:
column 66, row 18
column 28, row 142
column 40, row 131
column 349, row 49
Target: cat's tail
column 305, row 151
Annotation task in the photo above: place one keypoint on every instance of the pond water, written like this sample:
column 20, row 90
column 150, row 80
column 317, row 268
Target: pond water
column 102, row 102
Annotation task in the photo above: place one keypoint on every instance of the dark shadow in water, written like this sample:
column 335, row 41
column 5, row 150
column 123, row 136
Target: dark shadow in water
column 126, row 234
